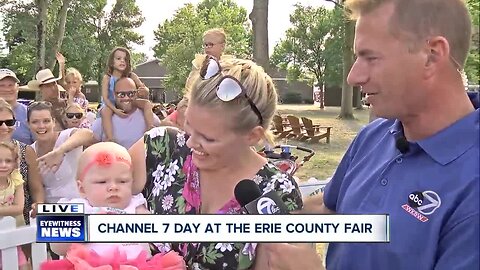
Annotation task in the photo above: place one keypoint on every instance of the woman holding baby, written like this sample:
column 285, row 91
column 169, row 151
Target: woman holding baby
column 231, row 105
column 195, row 171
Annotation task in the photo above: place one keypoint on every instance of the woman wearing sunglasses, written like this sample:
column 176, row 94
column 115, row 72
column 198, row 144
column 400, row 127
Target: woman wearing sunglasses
column 59, row 182
column 33, row 188
column 33, row 191
column 195, row 172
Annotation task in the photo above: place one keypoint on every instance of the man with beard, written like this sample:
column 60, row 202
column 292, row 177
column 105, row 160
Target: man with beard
column 131, row 128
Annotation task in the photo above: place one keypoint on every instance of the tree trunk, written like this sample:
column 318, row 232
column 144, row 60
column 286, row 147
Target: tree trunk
column 322, row 96
column 358, row 98
column 259, row 18
column 41, row 29
column 59, row 33
column 346, row 111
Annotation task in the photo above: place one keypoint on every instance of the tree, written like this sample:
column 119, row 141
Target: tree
column 138, row 58
column 21, row 42
column 259, row 18
column 180, row 38
column 82, row 46
column 117, row 29
column 41, row 32
column 472, row 66
column 59, row 32
column 88, row 37
column 346, row 110
column 312, row 47
column 43, row 7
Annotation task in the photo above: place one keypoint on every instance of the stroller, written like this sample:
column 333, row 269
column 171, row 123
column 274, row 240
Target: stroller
column 284, row 159
column 287, row 163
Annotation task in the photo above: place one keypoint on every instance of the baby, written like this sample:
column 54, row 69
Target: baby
column 104, row 179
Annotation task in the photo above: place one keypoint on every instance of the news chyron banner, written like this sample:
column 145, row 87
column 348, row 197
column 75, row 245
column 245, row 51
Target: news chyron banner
column 60, row 223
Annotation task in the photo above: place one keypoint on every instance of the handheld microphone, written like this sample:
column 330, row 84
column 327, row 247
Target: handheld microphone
column 250, row 197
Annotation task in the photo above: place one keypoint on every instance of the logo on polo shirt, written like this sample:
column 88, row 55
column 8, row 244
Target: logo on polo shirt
column 415, row 199
column 421, row 204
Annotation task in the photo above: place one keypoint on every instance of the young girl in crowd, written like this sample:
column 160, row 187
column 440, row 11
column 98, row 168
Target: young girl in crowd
column 74, row 81
column 105, row 179
column 118, row 66
column 75, row 117
column 11, row 192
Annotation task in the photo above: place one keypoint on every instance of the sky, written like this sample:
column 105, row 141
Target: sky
column 156, row 12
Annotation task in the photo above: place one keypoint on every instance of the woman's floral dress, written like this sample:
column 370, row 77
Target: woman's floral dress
column 23, row 167
column 173, row 187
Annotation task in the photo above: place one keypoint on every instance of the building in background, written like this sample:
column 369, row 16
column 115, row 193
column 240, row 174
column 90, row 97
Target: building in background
column 91, row 90
column 153, row 73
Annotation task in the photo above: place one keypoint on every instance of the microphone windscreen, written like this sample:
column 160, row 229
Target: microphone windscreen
column 246, row 191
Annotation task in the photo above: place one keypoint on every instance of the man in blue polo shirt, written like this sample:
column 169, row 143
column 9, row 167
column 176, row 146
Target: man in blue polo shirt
column 9, row 92
column 420, row 164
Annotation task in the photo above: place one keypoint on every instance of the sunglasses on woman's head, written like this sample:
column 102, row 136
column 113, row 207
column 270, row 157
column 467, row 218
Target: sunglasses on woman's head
column 72, row 115
column 228, row 88
column 8, row 122
column 129, row 94
column 210, row 68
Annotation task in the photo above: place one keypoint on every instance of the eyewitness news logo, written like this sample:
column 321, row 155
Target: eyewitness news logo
column 61, row 223
column 61, row 229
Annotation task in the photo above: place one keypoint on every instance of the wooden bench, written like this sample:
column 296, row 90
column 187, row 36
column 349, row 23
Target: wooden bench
column 279, row 129
column 313, row 131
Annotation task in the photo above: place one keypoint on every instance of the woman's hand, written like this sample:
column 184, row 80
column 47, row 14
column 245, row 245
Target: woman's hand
column 50, row 161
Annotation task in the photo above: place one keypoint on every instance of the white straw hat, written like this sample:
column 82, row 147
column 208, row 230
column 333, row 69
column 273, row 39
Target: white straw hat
column 44, row 76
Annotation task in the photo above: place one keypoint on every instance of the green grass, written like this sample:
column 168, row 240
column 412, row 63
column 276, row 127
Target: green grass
column 327, row 156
